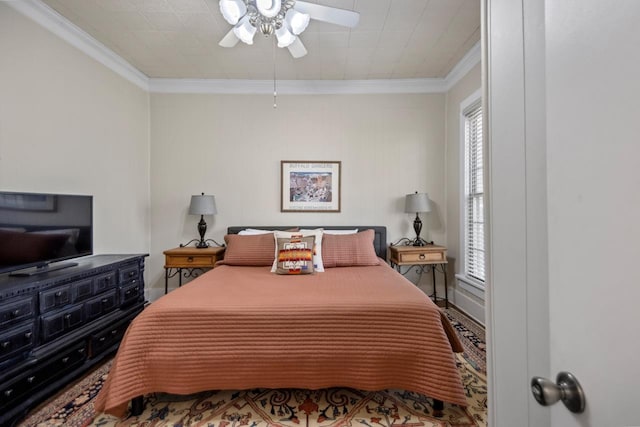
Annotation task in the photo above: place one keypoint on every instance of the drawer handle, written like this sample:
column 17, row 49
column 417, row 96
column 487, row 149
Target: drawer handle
column 8, row 393
column 15, row 313
column 190, row 259
column 81, row 351
column 114, row 332
column 28, row 335
column 30, row 380
column 65, row 360
column 5, row 345
column 104, row 301
column 126, row 294
column 58, row 294
column 132, row 273
column 422, row 256
column 102, row 339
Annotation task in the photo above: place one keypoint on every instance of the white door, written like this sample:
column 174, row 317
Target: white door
column 563, row 82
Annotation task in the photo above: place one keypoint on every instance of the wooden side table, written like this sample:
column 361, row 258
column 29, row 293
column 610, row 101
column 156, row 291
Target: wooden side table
column 189, row 258
column 432, row 256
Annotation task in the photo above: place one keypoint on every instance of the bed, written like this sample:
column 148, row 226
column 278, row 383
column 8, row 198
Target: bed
column 360, row 325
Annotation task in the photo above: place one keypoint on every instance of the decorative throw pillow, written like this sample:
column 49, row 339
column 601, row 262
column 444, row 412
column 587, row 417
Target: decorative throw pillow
column 317, row 250
column 294, row 254
column 250, row 250
column 346, row 250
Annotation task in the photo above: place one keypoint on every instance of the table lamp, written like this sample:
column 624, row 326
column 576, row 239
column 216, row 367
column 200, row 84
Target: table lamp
column 416, row 203
column 202, row 205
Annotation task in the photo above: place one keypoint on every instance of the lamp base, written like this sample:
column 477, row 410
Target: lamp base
column 419, row 241
column 202, row 244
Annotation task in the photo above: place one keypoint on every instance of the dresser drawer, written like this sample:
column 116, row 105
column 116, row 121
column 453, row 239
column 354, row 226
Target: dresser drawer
column 103, row 282
column 130, row 293
column 129, row 273
column 16, row 340
column 82, row 289
column 422, row 256
column 102, row 304
column 103, row 340
column 54, row 325
column 55, row 298
column 187, row 261
column 34, row 380
column 17, row 310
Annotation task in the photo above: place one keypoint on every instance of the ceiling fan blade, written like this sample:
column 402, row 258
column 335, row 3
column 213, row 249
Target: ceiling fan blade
column 297, row 49
column 230, row 40
column 333, row 15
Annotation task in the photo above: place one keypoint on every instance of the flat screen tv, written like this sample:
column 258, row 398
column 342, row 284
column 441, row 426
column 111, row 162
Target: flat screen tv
column 37, row 231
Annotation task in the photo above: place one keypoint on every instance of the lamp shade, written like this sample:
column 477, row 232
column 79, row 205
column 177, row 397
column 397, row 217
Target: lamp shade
column 203, row 205
column 417, row 202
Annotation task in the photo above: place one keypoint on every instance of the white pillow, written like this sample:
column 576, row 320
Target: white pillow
column 354, row 231
column 317, row 252
column 253, row 232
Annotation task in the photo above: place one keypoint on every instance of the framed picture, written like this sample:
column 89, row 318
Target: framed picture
column 28, row 202
column 310, row 186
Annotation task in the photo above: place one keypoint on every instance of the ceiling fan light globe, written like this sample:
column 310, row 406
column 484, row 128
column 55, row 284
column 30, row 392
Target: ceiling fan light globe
column 284, row 36
column 297, row 21
column 244, row 30
column 269, row 8
column 232, row 10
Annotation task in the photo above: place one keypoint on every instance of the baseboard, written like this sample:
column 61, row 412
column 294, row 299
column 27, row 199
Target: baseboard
column 469, row 306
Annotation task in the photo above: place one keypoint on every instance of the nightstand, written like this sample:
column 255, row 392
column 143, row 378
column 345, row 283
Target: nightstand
column 194, row 260
column 432, row 257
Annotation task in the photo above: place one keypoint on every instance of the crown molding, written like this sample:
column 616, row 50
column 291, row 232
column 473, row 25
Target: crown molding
column 63, row 28
column 297, row 87
column 75, row 36
column 468, row 61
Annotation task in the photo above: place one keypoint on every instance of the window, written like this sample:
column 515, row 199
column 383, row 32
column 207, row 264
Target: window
column 474, row 250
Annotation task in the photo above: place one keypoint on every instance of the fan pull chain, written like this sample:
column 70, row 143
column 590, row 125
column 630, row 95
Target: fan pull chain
column 275, row 93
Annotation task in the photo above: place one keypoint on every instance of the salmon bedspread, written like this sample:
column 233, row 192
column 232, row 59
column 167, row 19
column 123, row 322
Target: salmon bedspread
column 237, row 328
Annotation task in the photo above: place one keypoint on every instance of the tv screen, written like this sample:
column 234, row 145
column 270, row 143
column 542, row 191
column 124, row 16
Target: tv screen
column 39, row 229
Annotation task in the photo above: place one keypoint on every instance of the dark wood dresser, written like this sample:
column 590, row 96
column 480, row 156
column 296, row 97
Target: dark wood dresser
column 55, row 326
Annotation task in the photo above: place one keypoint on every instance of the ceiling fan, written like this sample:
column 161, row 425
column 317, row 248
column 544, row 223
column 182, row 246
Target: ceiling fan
column 287, row 19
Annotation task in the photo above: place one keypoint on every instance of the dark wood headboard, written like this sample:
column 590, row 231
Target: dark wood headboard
column 379, row 241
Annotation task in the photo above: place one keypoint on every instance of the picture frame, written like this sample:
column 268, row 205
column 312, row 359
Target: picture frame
column 28, row 202
column 310, row 186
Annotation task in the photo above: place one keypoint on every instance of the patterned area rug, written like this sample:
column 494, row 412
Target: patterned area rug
column 336, row 407
column 472, row 337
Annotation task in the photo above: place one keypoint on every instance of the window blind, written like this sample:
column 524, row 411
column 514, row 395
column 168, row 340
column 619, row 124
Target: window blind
column 474, row 193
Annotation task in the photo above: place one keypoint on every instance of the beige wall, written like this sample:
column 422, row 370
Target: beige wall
column 231, row 146
column 70, row 125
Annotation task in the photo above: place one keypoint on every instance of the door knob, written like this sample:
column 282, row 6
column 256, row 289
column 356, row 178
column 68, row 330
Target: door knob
column 567, row 388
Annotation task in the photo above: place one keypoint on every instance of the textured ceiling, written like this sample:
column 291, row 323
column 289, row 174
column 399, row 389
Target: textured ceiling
column 395, row 39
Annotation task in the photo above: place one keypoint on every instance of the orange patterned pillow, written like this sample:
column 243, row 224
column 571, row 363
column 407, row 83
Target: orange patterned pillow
column 295, row 254
column 249, row 250
column 346, row 250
